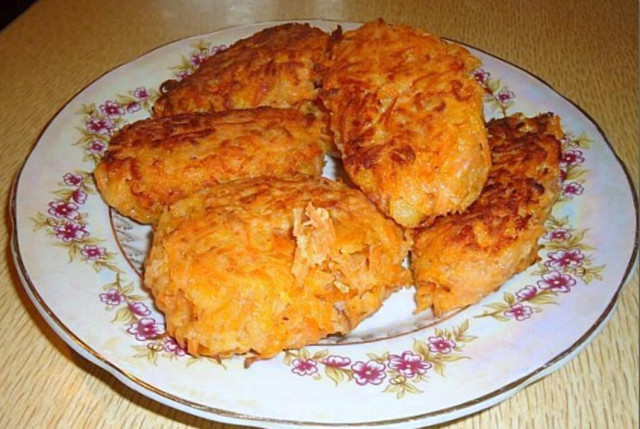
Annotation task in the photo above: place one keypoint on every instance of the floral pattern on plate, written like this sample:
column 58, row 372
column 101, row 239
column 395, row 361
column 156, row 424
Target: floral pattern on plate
column 70, row 226
column 401, row 371
column 88, row 286
column 563, row 263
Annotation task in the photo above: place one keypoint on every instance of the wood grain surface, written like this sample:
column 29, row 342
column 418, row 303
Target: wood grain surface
column 587, row 50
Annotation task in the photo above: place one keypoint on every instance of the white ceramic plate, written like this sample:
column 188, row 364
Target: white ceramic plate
column 79, row 263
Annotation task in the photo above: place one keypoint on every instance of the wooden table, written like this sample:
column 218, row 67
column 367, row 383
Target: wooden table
column 587, row 50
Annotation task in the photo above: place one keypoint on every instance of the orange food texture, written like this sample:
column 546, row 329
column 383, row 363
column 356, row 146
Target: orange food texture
column 463, row 257
column 408, row 118
column 266, row 264
column 154, row 162
column 280, row 66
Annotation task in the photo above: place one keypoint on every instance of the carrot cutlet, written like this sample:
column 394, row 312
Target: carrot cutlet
column 154, row 162
column 408, row 118
column 266, row 264
column 463, row 257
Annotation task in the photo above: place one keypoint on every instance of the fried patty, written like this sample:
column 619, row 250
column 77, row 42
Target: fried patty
column 463, row 257
column 154, row 162
column 279, row 66
column 408, row 119
column 266, row 264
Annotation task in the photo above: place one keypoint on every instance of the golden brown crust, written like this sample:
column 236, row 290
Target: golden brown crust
column 279, row 66
column 408, row 118
column 154, row 162
column 235, row 270
column 463, row 257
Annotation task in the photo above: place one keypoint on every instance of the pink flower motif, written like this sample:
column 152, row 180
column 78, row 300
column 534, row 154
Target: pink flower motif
column 481, row 76
column 217, row 48
column 304, row 367
column 572, row 157
column 568, row 142
column 71, row 179
column 79, row 196
column 562, row 259
column 527, row 293
column 183, row 74
column 141, row 93
column 146, row 329
column 96, row 147
column 63, row 210
column 441, row 345
column 93, row 253
column 558, row 234
column 557, row 282
column 572, row 188
column 111, row 109
column 505, row 96
column 100, row 126
column 70, row 231
column 409, row 364
column 171, row 346
column 111, row 297
column 519, row 311
column 563, row 175
column 197, row 60
column 133, row 107
column 139, row 308
column 336, row 361
column 371, row 372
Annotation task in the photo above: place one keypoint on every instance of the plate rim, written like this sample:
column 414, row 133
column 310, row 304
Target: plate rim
column 209, row 412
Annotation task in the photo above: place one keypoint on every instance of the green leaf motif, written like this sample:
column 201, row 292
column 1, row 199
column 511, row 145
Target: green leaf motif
column 64, row 194
column 152, row 357
column 498, row 307
column 320, row 355
column 464, row 327
column 509, row 298
column 467, row 338
column 575, row 174
column 191, row 360
column 582, row 141
column 110, row 266
column 336, row 374
column 391, row 388
column 124, row 315
column 452, row 358
column 40, row 222
column 592, row 274
column 87, row 109
column 496, row 315
column 304, row 354
column 410, row 388
column 542, row 299
column 555, row 223
column 438, row 367
column 422, row 349
column 383, row 357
